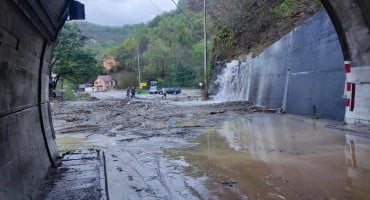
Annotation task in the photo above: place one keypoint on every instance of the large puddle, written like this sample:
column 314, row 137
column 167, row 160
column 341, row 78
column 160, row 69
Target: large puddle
column 280, row 157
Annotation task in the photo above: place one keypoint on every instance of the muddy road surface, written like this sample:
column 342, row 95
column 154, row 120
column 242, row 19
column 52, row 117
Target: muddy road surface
column 185, row 148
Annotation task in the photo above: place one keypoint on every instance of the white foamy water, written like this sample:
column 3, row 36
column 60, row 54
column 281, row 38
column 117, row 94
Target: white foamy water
column 233, row 82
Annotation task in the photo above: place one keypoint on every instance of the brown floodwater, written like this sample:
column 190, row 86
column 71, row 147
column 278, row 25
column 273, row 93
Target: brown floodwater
column 264, row 156
column 69, row 142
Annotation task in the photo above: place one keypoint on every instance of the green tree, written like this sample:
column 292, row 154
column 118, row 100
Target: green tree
column 71, row 60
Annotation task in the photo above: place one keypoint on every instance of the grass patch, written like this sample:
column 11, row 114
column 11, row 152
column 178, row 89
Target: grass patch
column 83, row 96
column 63, row 152
column 286, row 8
column 143, row 91
column 70, row 92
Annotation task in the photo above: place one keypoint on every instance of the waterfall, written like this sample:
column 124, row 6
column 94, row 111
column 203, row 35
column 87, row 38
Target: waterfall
column 233, row 82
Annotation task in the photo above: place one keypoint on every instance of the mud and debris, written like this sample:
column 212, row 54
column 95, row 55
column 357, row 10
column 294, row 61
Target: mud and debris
column 185, row 148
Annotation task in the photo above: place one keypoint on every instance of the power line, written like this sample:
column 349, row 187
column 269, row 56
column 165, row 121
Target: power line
column 173, row 1
column 155, row 6
column 187, row 17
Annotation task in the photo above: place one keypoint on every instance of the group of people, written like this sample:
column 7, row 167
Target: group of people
column 130, row 93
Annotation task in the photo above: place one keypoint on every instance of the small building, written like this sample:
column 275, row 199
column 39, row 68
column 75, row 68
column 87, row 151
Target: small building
column 85, row 88
column 104, row 83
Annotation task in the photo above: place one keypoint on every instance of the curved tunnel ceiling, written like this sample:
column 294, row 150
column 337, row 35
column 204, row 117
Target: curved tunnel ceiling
column 352, row 21
column 27, row 31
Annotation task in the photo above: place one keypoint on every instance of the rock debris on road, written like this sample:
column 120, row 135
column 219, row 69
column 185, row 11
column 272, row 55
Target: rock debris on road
column 184, row 148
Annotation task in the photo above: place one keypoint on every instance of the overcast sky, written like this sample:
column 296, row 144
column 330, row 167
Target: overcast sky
column 123, row 12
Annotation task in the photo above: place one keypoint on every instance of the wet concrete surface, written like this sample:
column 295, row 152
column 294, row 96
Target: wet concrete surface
column 182, row 148
column 77, row 176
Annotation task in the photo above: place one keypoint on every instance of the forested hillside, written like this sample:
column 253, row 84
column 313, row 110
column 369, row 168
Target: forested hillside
column 169, row 48
column 106, row 36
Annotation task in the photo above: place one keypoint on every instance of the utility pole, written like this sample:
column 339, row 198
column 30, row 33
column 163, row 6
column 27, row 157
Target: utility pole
column 205, row 87
column 138, row 65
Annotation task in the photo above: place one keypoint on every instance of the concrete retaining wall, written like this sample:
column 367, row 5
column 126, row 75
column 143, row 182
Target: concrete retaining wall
column 303, row 72
column 316, row 54
column 27, row 146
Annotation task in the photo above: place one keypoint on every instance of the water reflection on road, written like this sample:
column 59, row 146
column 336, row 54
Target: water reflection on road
column 266, row 156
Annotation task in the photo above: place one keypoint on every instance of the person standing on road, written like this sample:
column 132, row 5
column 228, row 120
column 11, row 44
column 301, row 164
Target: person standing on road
column 128, row 91
column 164, row 94
column 133, row 91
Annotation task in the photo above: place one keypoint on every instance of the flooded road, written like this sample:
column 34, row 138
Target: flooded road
column 269, row 156
column 181, row 148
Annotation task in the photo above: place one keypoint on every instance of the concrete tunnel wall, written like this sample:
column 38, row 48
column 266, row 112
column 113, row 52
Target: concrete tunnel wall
column 27, row 30
column 27, row 146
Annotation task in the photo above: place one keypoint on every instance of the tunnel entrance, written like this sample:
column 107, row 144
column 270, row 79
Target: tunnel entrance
column 27, row 33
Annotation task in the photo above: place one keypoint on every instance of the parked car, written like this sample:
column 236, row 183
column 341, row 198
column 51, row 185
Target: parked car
column 170, row 90
column 153, row 90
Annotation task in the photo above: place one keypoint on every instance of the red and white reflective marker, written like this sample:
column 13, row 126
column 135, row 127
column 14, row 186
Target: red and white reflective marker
column 347, row 66
column 347, row 101
column 349, row 87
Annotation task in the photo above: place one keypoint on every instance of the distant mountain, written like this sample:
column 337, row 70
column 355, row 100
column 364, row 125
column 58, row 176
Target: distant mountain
column 106, row 36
